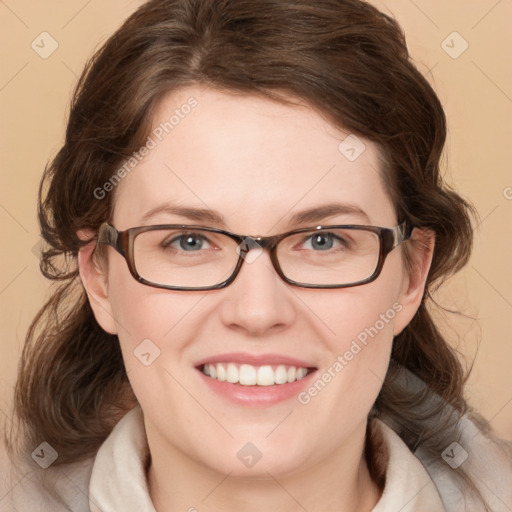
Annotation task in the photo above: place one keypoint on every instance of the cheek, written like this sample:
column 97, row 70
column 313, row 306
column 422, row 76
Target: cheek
column 143, row 311
column 151, row 326
column 358, row 325
column 153, row 332
column 360, row 341
column 361, row 315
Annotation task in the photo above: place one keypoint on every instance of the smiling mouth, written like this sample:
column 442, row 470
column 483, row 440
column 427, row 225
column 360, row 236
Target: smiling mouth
column 249, row 375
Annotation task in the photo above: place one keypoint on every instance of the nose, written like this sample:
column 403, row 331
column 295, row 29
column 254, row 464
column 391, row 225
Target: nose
column 258, row 302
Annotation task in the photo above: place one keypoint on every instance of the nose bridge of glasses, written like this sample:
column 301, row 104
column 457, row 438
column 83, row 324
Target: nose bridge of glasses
column 251, row 247
column 265, row 242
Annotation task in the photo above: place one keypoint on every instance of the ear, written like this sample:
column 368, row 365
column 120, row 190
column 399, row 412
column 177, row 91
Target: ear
column 93, row 274
column 421, row 250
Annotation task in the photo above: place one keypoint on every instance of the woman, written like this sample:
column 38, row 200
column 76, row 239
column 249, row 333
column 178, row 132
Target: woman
column 250, row 210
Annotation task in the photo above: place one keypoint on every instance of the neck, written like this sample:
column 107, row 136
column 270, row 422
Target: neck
column 342, row 483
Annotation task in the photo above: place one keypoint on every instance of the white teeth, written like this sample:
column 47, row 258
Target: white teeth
column 249, row 375
column 265, row 376
column 221, row 372
column 232, row 374
column 301, row 372
column 281, row 376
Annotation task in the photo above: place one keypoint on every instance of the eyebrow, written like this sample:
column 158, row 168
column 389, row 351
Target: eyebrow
column 313, row 215
column 308, row 216
column 195, row 214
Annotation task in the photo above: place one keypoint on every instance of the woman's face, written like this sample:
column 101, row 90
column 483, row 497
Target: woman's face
column 256, row 165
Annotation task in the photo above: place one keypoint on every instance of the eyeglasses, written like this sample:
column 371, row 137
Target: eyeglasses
column 181, row 257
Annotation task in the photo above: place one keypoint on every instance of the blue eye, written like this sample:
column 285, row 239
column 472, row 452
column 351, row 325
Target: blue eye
column 321, row 241
column 190, row 242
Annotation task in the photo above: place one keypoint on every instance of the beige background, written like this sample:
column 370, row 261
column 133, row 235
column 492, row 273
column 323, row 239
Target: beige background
column 475, row 87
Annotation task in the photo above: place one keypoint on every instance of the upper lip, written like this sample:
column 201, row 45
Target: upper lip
column 254, row 360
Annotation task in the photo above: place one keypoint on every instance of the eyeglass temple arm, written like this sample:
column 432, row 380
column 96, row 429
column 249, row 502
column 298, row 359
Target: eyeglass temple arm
column 401, row 233
column 109, row 235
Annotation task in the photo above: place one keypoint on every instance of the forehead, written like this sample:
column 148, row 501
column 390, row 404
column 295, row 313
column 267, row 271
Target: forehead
column 255, row 161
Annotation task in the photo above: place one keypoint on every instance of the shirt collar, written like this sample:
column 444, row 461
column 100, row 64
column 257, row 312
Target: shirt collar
column 118, row 479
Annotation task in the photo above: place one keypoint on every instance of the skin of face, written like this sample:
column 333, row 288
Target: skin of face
column 256, row 163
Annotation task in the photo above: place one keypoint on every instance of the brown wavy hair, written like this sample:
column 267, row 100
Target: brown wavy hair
column 344, row 58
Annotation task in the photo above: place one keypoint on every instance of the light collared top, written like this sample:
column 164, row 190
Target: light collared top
column 115, row 479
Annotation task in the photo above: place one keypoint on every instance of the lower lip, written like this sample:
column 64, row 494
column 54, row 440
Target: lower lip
column 254, row 396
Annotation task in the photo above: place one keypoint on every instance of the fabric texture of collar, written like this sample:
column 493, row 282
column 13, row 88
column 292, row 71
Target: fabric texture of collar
column 118, row 480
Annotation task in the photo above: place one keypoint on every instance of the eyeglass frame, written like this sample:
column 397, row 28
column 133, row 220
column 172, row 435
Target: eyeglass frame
column 123, row 243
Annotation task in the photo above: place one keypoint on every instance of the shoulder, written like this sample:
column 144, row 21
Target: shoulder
column 473, row 462
column 26, row 488
column 407, row 485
